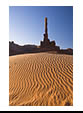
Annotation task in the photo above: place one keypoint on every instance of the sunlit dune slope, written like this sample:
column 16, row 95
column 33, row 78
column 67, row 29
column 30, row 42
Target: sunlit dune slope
column 41, row 79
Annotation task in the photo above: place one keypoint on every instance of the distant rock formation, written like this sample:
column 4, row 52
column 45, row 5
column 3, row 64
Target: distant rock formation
column 68, row 51
column 15, row 49
column 46, row 43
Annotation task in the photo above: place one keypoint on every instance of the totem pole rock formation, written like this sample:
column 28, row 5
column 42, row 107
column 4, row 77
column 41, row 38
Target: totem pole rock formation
column 46, row 43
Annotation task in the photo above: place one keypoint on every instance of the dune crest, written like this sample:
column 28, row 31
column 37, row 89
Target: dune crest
column 41, row 79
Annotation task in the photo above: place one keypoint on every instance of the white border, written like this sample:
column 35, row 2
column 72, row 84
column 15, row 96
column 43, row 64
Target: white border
column 41, row 2
column 77, row 58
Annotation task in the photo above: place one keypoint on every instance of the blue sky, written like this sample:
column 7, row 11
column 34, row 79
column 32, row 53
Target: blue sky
column 26, row 24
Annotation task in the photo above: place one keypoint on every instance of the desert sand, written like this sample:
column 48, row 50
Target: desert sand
column 41, row 79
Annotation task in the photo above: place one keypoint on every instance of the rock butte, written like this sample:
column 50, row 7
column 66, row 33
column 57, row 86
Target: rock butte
column 46, row 43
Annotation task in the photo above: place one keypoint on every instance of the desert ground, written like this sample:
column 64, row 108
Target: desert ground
column 41, row 79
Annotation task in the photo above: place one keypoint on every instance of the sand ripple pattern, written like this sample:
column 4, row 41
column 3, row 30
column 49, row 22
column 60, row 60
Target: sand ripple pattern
column 41, row 79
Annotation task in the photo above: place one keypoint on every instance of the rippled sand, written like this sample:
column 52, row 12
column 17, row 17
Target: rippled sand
column 41, row 79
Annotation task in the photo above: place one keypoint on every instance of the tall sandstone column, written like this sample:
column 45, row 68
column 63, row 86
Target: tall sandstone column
column 46, row 30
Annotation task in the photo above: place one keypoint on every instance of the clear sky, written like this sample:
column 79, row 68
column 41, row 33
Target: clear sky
column 26, row 24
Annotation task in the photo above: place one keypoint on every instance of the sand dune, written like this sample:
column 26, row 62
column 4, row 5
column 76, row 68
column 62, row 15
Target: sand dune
column 41, row 79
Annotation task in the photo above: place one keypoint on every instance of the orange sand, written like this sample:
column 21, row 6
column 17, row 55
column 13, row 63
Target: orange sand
column 41, row 79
